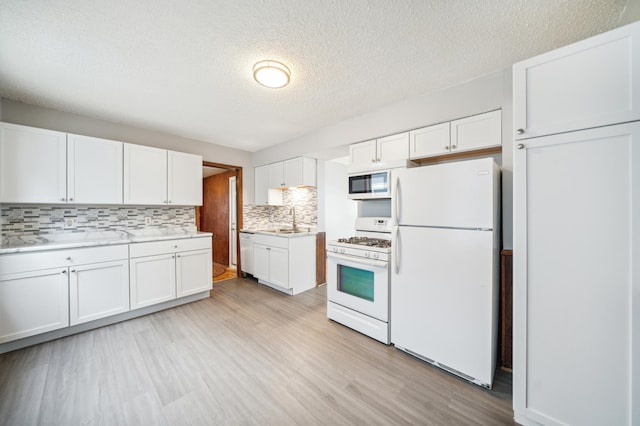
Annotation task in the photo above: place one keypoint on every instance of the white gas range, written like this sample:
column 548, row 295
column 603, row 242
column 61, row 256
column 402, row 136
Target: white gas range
column 358, row 278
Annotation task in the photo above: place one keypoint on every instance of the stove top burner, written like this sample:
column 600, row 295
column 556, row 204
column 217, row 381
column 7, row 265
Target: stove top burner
column 366, row 241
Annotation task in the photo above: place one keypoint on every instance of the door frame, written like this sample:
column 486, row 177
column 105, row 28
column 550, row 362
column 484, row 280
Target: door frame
column 233, row 230
column 238, row 172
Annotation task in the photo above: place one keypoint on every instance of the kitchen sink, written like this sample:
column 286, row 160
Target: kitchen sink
column 283, row 231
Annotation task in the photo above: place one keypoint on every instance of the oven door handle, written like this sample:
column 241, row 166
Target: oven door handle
column 361, row 260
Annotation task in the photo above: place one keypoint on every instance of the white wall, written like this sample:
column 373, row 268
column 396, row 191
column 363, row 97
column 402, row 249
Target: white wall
column 35, row 116
column 339, row 213
column 483, row 94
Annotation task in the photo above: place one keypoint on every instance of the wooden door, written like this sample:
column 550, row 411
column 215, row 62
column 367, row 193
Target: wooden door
column 214, row 214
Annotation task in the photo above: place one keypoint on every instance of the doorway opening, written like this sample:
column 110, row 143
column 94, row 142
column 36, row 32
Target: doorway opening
column 221, row 214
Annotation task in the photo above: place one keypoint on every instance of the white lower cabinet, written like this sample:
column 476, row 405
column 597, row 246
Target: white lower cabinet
column 33, row 302
column 98, row 290
column 272, row 264
column 194, row 272
column 42, row 291
column 45, row 291
column 285, row 263
column 152, row 280
column 163, row 270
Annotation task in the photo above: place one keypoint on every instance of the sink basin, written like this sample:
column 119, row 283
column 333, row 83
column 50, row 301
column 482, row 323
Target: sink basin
column 283, row 231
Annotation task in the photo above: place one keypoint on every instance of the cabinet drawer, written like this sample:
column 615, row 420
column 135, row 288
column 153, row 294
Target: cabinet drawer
column 153, row 248
column 22, row 262
column 273, row 241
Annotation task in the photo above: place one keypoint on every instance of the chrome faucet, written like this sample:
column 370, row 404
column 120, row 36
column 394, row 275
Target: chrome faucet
column 292, row 212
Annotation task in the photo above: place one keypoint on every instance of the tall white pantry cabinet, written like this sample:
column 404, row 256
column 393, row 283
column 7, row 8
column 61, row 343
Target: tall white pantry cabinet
column 576, row 329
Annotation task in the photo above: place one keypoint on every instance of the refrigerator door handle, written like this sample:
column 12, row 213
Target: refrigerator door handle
column 396, row 202
column 396, row 249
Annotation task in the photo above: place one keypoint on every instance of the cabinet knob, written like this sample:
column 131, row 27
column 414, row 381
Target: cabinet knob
column 64, row 271
column 164, row 202
column 373, row 160
column 520, row 146
column 178, row 255
column 62, row 199
column 446, row 148
column 519, row 131
column 73, row 270
column 69, row 258
column 70, row 199
column 176, row 246
column 169, row 201
column 453, row 147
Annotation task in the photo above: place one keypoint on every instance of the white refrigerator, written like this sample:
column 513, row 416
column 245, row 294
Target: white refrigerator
column 445, row 263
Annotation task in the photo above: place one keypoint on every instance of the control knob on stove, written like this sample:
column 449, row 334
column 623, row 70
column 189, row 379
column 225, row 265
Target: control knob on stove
column 367, row 254
column 335, row 249
column 375, row 255
column 342, row 251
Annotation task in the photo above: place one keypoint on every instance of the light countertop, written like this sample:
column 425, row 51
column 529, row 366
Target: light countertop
column 31, row 243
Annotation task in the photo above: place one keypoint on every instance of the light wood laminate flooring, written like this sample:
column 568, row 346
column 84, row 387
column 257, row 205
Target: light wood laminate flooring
column 247, row 355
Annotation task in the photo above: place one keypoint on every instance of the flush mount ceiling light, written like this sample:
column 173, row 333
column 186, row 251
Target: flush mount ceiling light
column 272, row 74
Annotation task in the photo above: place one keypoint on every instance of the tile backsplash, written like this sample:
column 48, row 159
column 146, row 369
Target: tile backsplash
column 304, row 200
column 16, row 220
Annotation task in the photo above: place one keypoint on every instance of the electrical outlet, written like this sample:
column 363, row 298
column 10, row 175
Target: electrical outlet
column 156, row 221
column 147, row 220
column 69, row 222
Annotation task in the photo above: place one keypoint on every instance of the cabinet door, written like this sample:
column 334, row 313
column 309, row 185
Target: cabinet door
column 193, row 272
column 145, row 175
column 33, row 165
column 279, row 266
column 33, row 302
column 261, row 188
column 429, row 141
column 293, row 172
column 587, row 84
column 476, row 132
column 276, row 175
column 184, row 179
column 576, row 286
column 362, row 155
column 152, row 280
column 393, row 148
column 94, row 174
column 261, row 262
column 98, row 290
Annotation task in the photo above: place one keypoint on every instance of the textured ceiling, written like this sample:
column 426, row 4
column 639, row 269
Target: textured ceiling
column 184, row 67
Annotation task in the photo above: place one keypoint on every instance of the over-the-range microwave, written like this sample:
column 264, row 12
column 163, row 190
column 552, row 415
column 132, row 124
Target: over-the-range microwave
column 369, row 185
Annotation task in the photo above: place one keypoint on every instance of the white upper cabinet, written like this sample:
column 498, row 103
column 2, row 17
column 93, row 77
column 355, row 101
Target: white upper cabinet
column 94, row 174
column 276, row 175
column 261, row 195
column 33, row 165
column 145, row 175
column 393, row 148
column 429, row 141
column 362, row 155
column 184, row 179
column 154, row 176
column 387, row 152
column 587, row 84
column 299, row 171
column 476, row 132
column 466, row 134
column 49, row 167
